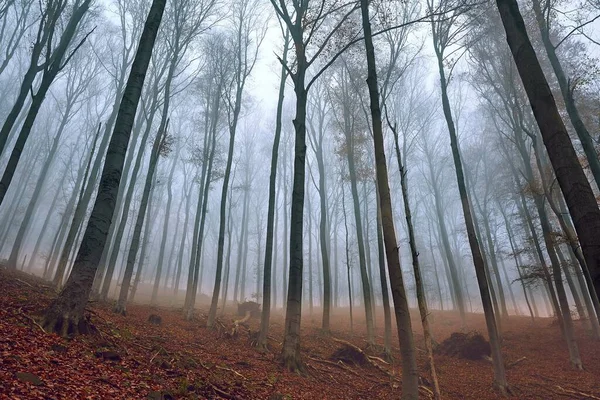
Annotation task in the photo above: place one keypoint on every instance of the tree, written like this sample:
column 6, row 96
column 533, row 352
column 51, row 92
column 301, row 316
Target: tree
column 65, row 314
column 249, row 33
column 443, row 36
column 303, row 20
column 267, row 282
column 569, row 173
column 568, row 85
column 55, row 62
column 410, row 376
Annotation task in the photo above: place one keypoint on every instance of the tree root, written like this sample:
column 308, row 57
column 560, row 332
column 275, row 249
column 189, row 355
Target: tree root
column 67, row 325
column 20, row 312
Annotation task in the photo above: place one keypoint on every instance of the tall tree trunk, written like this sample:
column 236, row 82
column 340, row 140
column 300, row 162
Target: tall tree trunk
column 52, row 68
column 290, row 354
column 385, row 296
column 567, row 91
column 67, row 219
column 30, row 210
column 212, row 314
column 419, row 284
column 272, row 210
column 478, row 261
column 569, row 172
column 410, row 375
column 65, row 313
column 121, row 306
column 146, row 237
column 129, row 197
column 347, row 246
column 241, row 254
column 366, row 285
column 309, row 236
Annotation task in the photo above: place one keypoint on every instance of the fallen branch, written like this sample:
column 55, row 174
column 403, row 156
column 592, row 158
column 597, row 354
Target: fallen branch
column 231, row 370
column 23, row 282
column 381, row 360
column 222, row 393
column 427, row 391
column 367, row 358
column 579, row 394
column 520, row 360
column 154, row 356
column 338, row 365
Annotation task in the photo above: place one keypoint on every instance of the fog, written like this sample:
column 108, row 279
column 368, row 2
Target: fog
column 190, row 218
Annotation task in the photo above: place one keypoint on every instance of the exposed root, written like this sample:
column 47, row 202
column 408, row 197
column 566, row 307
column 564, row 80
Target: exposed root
column 31, row 319
column 66, row 326
column 293, row 363
column 120, row 309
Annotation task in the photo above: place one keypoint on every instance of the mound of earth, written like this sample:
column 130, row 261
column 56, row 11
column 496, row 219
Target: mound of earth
column 471, row 346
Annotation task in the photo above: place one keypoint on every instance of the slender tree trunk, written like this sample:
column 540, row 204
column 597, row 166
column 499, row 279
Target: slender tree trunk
column 121, row 306
column 30, row 211
column 212, row 314
column 54, row 65
column 240, row 255
column 347, row 245
column 419, row 284
column 271, row 214
column 163, row 242
column 385, row 296
column 567, row 92
column 478, row 261
column 410, row 375
column 67, row 220
column 366, row 285
column 569, row 172
column 65, row 313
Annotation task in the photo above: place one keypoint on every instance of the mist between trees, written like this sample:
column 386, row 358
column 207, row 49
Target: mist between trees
column 307, row 156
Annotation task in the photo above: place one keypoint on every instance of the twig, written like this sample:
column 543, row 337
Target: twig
column 231, row 370
column 381, row 360
column 427, row 391
column 520, row 360
column 222, row 393
column 23, row 282
column 339, row 365
column 585, row 395
column 154, row 356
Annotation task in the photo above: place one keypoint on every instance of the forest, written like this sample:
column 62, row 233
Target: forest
column 299, row 199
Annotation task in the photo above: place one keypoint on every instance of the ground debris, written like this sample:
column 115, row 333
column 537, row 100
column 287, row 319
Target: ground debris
column 186, row 360
column 471, row 346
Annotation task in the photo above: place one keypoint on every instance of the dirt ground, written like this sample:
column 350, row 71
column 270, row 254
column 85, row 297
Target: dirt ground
column 129, row 358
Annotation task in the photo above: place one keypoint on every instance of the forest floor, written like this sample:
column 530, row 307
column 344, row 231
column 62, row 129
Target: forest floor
column 129, row 358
